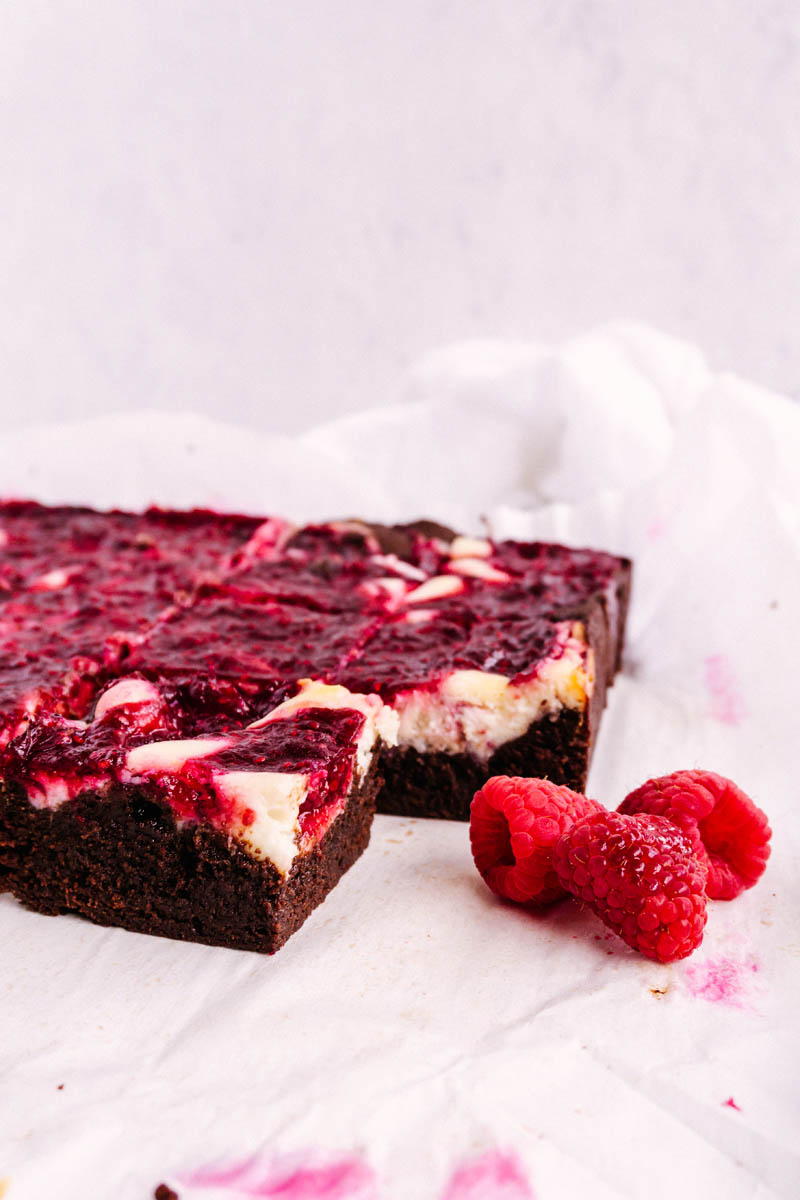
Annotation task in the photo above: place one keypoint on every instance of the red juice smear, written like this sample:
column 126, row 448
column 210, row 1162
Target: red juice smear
column 721, row 980
column 348, row 1178
column 727, row 703
column 495, row 1175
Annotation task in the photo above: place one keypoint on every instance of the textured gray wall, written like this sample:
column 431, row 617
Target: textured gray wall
column 266, row 210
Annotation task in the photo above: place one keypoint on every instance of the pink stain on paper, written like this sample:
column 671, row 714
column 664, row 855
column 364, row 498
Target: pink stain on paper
column 341, row 1179
column 656, row 529
column 493, row 1176
column 727, row 703
column 731, row 1103
column 721, row 980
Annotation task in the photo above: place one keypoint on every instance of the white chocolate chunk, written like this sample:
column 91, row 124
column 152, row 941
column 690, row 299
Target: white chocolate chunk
column 478, row 569
column 127, row 691
column 390, row 587
column 435, row 589
column 400, row 567
column 52, row 581
column 171, row 756
column 467, row 547
column 418, row 616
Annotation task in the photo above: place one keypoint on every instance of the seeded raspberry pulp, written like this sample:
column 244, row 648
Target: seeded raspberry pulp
column 642, row 878
column 729, row 833
column 513, row 826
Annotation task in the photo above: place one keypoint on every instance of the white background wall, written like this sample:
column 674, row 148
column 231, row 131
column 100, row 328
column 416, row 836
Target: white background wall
column 265, row 210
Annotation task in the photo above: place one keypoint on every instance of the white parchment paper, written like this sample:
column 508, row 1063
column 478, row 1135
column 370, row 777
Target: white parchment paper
column 417, row 1038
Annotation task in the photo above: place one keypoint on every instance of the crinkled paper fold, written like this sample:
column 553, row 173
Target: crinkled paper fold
column 417, row 1039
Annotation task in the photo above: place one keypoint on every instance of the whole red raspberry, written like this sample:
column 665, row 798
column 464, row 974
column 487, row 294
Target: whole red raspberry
column 729, row 833
column 641, row 877
column 513, row 826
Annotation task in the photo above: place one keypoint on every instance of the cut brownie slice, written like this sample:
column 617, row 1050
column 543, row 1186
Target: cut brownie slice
column 230, row 840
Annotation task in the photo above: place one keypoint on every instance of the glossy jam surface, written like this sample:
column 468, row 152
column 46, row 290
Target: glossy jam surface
column 506, row 627
column 158, row 549
column 77, row 585
column 224, row 615
column 232, row 610
column 240, row 639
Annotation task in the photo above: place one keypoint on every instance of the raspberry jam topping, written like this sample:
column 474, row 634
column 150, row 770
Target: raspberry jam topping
column 165, row 549
column 243, row 639
column 236, row 608
column 77, row 584
column 223, row 615
column 319, row 743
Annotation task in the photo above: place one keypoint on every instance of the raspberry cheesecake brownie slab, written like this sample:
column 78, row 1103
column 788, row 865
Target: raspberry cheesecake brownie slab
column 230, row 840
column 130, row 639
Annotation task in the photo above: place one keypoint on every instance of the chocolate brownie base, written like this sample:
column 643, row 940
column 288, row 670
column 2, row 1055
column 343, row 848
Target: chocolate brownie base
column 442, row 785
column 120, row 859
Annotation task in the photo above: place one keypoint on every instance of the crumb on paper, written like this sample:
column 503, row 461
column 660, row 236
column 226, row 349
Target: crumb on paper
column 163, row 1192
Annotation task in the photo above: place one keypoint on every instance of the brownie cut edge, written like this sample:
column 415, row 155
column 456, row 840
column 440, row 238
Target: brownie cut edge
column 558, row 747
column 120, row 858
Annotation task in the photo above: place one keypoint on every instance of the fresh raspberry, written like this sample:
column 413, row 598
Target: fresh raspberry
column 728, row 832
column 513, row 826
column 641, row 877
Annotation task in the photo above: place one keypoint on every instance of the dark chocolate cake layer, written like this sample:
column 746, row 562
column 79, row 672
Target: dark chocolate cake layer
column 442, row 785
column 122, row 859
